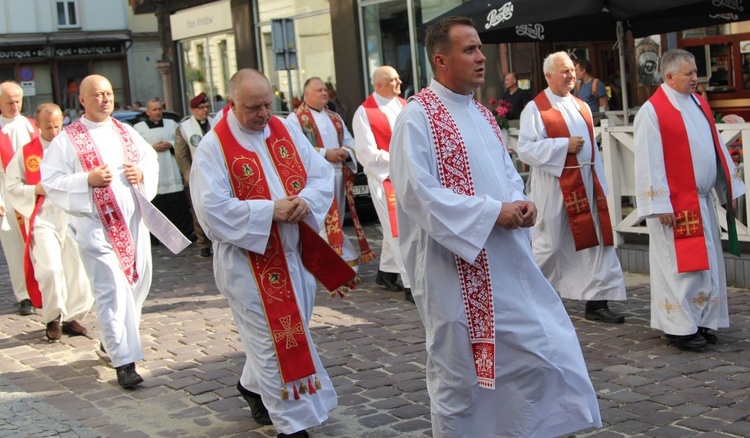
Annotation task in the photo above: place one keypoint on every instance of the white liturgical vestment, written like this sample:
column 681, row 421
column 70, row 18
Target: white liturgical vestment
column 118, row 304
column 375, row 162
column 682, row 302
column 58, row 270
column 589, row 274
column 236, row 226
column 542, row 387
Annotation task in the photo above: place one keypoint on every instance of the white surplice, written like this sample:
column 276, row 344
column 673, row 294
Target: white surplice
column 118, row 304
column 682, row 302
column 18, row 129
column 589, row 274
column 331, row 141
column 170, row 178
column 375, row 162
column 542, row 386
column 58, row 269
column 235, row 227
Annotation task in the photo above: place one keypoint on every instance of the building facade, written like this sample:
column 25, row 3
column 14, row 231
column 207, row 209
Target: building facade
column 49, row 46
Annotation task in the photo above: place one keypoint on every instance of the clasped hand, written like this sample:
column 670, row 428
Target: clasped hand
column 290, row 210
column 100, row 176
column 517, row 214
column 337, row 155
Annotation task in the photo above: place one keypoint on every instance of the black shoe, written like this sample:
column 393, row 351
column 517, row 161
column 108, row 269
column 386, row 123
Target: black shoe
column 53, row 332
column 25, row 308
column 389, row 281
column 694, row 342
column 127, row 377
column 301, row 433
column 207, row 252
column 73, row 328
column 709, row 337
column 257, row 409
column 407, row 294
column 603, row 314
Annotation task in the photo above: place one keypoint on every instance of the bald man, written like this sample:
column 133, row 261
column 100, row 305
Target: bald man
column 91, row 171
column 327, row 132
column 251, row 214
column 65, row 289
column 15, row 131
column 373, row 124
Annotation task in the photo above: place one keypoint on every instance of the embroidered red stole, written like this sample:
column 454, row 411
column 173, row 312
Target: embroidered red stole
column 454, row 171
column 270, row 269
column 333, row 219
column 32, row 158
column 574, row 194
column 113, row 221
column 689, row 240
column 381, row 130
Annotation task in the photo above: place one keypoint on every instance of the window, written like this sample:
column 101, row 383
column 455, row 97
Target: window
column 66, row 14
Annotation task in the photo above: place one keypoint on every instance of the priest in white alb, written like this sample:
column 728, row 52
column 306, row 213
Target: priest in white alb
column 679, row 159
column 572, row 239
column 503, row 358
column 90, row 170
column 261, row 193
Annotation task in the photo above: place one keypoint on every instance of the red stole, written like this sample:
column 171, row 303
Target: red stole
column 689, row 240
column 476, row 282
column 333, row 219
column 32, row 158
column 6, row 144
column 575, row 198
column 270, row 269
column 381, row 130
column 113, row 221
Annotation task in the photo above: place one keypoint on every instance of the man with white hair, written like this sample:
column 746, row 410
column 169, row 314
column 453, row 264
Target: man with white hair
column 373, row 124
column 57, row 267
column 15, row 131
column 680, row 157
column 572, row 240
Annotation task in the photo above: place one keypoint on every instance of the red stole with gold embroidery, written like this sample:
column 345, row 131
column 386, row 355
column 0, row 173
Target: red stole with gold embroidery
column 689, row 240
column 113, row 220
column 381, row 130
column 476, row 283
column 32, row 158
column 574, row 194
column 270, row 269
column 333, row 219
column 6, row 143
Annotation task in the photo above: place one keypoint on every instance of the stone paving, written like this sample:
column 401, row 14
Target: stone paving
column 372, row 344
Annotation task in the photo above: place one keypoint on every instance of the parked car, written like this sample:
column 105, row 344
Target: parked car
column 132, row 117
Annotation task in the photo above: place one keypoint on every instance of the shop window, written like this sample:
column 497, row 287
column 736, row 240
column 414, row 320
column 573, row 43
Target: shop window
column 67, row 15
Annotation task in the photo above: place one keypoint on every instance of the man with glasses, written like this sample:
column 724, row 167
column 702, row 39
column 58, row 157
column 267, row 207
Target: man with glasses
column 186, row 139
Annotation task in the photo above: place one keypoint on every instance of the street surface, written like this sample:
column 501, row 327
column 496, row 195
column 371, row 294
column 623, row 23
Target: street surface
column 372, row 344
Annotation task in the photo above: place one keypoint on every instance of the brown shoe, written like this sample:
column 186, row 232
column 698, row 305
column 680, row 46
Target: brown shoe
column 53, row 331
column 73, row 328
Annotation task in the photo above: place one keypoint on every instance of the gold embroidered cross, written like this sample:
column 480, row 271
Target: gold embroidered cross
column 669, row 307
column 701, row 299
column 288, row 332
column 687, row 223
column 577, row 202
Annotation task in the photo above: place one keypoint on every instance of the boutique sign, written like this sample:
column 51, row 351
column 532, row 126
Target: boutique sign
column 109, row 49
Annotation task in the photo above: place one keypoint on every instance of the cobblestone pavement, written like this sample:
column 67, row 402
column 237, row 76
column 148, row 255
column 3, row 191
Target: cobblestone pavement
column 372, row 344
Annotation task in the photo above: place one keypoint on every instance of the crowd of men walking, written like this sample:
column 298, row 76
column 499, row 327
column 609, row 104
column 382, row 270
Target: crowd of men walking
column 485, row 264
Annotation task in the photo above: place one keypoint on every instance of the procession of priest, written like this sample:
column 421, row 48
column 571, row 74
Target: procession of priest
column 486, row 265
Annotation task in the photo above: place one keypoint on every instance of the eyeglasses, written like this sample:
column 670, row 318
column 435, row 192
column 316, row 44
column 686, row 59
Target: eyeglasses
column 206, row 106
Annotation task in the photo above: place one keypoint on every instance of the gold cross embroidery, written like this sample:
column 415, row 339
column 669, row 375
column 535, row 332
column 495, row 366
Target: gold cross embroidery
column 701, row 299
column 652, row 193
column 577, row 202
column 669, row 307
column 687, row 223
column 288, row 332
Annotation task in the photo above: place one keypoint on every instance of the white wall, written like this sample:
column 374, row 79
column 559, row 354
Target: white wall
column 40, row 16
